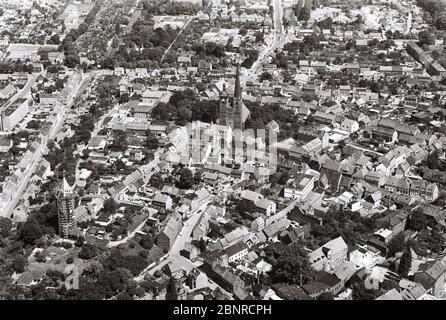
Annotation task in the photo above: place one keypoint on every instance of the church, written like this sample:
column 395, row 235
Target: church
column 232, row 111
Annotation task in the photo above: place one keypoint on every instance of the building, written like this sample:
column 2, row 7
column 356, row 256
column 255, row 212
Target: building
column 236, row 252
column 7, row 92
column 330, row 256
column 432, row 276
column 13, row 114
column 413, row 188
column 232, row 111
column 162, row 201
column 299, row 188
column 66, row 204
column 165, row 238
column 349, row 125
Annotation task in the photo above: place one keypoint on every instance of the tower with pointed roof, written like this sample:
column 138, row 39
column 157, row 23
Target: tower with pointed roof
column 66, row 201
column 232, row 111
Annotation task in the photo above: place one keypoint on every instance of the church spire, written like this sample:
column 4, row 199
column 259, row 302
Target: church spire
column 237, row 90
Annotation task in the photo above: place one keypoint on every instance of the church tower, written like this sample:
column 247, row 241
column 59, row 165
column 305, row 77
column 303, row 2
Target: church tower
column 232, row 111
column 66, row 201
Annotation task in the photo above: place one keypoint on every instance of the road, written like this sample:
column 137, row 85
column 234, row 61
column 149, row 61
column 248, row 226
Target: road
column 183, row 237
column 97, row 128
column 278, row 41
column 135, row 16
column 179, row 33
column 56, row 127
column 113, row 244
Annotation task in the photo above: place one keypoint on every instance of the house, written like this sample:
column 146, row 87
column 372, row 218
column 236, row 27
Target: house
column 197, row 199
column 330, row 256
column 201, row 228
column 223, row 276
column 189, row 251
column 275, row 228
column 265, row 206
column 432, row 275
column 349, row 125
column 413, row 188
column 391, row 295
column 434, row 215
column 236, row 252
column 295, row 234
column 333, row 284
column 325, row 118
column 169, row 233
column 97, row 143
column 315, row 288
column 162, row 201
column 300, row 188
column 330, row 175
column 395, row 221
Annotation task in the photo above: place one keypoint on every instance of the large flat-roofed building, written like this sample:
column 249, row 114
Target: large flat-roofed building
column 13, row 114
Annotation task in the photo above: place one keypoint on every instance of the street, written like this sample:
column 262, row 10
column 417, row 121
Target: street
column 278, row 41
column 179, row 33
column 56, row 127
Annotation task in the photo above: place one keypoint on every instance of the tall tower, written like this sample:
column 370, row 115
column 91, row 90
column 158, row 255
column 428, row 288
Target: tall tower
column 232, row 111
column 66, row 201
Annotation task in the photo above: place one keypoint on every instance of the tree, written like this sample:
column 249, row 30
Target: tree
column 426, row 37
column 440, row 23
column 360, row 292
column 325, row 296
column 55, row 39
column 266, row 76
column 40, row 257
column 186, row 180
column 79, row 241
column 197, row 177
column 19, row 264
column 245, row 205
column 291, row 266
column 5, row 227
column 171, row 291
column 395, row 245
column 31, row 231
column 184, row 114
column 151, row 141
column 243, row 32
column 405, row 262
column 259, row 36
column 417, row 220
column 156, row 181
column 326, row 23
column 88, row 251
column 110, row 205
column 146, row 241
